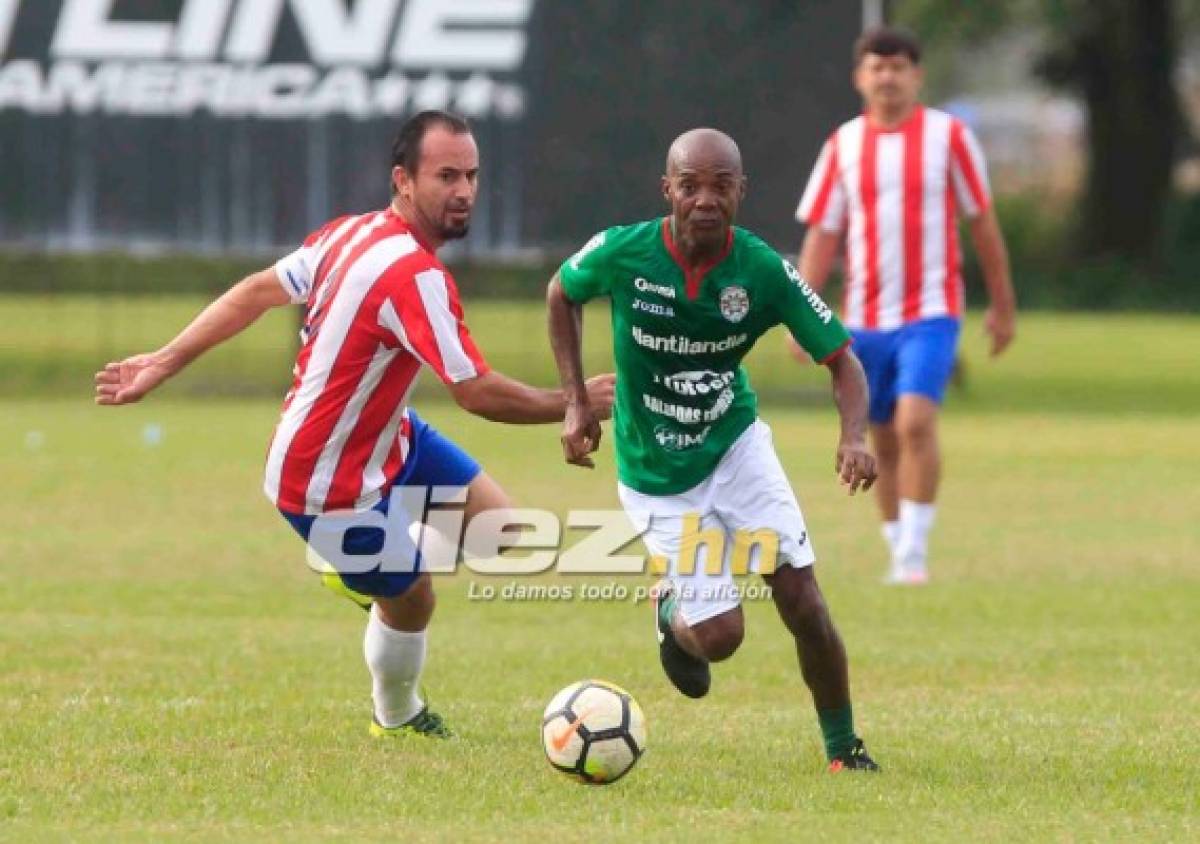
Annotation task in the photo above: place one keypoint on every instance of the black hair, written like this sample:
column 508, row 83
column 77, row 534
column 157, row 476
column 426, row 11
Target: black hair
column 887, row 41
column 406, row 149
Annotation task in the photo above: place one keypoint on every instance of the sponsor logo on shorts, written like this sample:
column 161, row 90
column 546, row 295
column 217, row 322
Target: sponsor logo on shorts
column 735, row 303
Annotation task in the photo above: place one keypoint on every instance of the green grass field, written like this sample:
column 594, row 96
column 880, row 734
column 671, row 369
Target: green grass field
column 170, row 669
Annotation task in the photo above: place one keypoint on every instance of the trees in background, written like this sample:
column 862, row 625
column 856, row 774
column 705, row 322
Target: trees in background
column 1119, row 56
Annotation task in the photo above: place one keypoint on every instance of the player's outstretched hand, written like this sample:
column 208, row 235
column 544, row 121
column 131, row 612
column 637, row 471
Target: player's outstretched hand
column 856, row 466
column 602, row 391
column 126, row 381
column 581, row 435
column 1001, row 325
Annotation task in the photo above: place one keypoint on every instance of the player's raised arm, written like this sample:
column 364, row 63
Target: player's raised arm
column 581, row 425
column 126, row 381
column 855, row 464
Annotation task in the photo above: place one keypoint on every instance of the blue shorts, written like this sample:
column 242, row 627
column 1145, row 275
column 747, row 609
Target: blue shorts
column 915, row 359
column 433, row 460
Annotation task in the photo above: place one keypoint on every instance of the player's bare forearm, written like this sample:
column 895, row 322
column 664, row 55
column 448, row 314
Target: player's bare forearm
column 850, row 394
column 128, row 380
column 855, row 464
column 1001, row 318
column 817, row 255
column 581, row 420
column 496, row 397
column 234, row 311
column 565, row 322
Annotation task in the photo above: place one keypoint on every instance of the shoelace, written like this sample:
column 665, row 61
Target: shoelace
column 429, row 722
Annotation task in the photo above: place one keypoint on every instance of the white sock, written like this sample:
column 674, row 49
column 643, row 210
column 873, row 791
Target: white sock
column 891, row 534
column 395, row 659
column 912, row 546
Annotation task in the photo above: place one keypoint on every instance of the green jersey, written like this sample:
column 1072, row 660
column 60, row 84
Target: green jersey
column 679, row 336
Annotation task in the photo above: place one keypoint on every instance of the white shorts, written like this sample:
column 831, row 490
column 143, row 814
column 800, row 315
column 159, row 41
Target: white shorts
column 747, row 492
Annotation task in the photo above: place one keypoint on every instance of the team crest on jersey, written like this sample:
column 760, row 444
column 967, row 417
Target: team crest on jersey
column 735, row 303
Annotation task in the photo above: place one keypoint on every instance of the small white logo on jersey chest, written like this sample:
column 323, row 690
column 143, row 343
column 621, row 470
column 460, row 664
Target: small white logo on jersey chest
column 647, row 286
column 735, row 303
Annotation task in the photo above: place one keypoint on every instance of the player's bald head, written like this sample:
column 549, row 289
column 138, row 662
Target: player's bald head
column 704, row 149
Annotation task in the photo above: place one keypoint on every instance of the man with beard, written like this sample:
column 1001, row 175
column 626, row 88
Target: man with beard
column 379, row 307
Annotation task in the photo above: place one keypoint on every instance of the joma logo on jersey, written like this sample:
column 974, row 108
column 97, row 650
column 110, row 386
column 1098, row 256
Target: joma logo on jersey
column 815, row 301
column 653, row 308
column 683, row 345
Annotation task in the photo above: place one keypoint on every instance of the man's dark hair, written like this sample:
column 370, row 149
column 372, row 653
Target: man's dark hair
column 406, row 150
column 887, row 41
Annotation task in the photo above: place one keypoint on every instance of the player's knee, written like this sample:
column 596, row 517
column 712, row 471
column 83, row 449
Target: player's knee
column 916, row 428
column 800, row 602
column 412, row 609
column 720, row 637
column 886, row 446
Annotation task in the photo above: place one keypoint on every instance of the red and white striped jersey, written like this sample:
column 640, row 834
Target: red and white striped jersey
column 896, row 195
column 379, row 305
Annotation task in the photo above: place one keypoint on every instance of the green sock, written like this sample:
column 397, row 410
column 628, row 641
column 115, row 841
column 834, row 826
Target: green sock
column 666, row 609
column 837, row 728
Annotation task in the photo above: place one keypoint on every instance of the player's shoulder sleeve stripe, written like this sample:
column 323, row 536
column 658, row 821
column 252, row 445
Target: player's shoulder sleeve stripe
column 297, row 270
column 823, row 201
column 968, row 169
column 584, row 274
column 327, row 230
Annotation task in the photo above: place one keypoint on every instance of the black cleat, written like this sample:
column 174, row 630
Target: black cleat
column 854, row 759
column 687, row 673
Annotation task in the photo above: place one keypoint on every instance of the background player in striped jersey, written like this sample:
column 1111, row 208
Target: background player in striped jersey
column 379, row 307
column 890, row 183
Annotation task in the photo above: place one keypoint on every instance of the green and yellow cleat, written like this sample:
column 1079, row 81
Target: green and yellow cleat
column 334, row 584
column 424, row 723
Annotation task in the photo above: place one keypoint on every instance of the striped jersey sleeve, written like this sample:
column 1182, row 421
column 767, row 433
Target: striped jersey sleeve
column 424, row 314
column 824, row 201
column 968, row 171
column 297, row 270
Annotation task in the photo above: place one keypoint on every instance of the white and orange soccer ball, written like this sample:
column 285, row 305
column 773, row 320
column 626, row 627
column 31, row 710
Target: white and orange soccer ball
column 593, row 731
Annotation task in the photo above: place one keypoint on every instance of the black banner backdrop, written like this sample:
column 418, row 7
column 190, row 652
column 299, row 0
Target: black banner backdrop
column 219, row 126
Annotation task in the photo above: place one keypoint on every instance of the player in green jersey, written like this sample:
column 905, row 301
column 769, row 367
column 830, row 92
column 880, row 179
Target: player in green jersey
column 690, row 295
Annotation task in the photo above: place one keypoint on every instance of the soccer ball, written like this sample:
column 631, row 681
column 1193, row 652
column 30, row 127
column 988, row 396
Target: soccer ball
column 594, row 731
